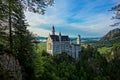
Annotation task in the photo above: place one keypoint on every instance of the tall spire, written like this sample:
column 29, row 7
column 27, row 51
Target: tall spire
column 53, row 30
column 78, row 40
column 59, row 36
column 60, row 41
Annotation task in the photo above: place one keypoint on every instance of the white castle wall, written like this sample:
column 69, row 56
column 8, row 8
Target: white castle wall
column 56, row 46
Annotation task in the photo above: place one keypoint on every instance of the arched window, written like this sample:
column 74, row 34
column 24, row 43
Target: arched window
column 49, row 46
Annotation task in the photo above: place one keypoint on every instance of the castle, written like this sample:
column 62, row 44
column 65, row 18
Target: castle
column 57, row 44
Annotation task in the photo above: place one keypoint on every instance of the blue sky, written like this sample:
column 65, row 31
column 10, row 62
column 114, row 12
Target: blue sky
column 89, row 18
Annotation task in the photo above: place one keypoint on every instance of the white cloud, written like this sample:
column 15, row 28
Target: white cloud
column 97, row 23
column 39, row 32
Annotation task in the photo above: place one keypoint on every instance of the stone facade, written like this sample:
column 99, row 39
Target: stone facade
column 57, row 44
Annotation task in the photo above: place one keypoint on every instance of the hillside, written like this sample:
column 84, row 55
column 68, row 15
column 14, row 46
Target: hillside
column 110, row 38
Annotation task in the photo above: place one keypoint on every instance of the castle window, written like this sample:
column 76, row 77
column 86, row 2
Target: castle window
column 67, row 45
column 49, row 46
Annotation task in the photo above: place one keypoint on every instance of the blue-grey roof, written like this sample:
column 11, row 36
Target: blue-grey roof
column 56, row 38
column 65, row 38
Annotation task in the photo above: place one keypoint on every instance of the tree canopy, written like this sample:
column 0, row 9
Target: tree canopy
column 116, row 10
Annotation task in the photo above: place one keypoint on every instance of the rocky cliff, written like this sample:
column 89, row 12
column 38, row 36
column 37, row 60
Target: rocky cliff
column 110, row 38
column 10, row 63
column 111, row 34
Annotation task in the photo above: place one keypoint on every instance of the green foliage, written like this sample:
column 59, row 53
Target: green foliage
column 116, row 35
column 113, row 69
column 116, row 16
column 91, row 66
column 104, row 50
column 36, row 64
column 14, row 37
column 58, row 67
column 41, row 47
column 110, row 52
column 5, row 74
column 37, row 6
column 116, row 50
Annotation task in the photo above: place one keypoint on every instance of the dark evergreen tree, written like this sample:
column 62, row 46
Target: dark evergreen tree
column 116, row 10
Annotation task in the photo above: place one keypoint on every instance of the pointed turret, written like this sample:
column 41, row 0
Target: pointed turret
column 60, row 41
column 78, row 40
column 59, row 33
column 60, row 36
column 53, row 30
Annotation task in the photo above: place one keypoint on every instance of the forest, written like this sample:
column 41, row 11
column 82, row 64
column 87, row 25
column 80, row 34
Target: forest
column 22, row 59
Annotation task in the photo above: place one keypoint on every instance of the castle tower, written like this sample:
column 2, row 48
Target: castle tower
column 78, row 40
column 60, row 41
column 59, row 34
column 53, row 30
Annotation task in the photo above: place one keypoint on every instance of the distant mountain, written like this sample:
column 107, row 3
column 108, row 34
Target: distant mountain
column 110, row 38
column 43, row 39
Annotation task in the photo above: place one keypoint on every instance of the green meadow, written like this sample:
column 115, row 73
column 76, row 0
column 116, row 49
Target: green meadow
column 104, row 50
column 41, row 46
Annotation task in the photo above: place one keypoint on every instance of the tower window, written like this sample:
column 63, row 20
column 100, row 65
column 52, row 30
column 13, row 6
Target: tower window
column 49, row 46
